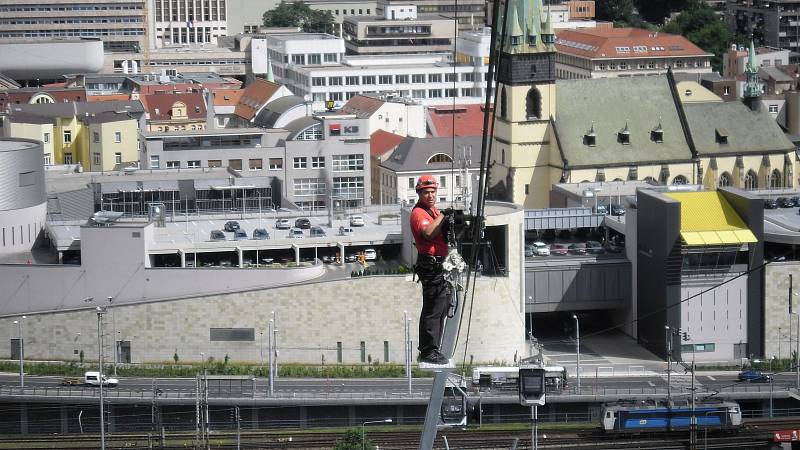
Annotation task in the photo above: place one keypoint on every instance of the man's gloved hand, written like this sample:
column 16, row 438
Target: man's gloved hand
column 448, row 212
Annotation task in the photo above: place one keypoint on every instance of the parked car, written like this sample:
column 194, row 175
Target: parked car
column 558, row 249
column 356, row 221
column 260, row 234
column 617, row 210
column 785, row 202
column 370, row 254
column 529, row 251
column 350, row 258
column 317, row 232
column 770, row 204
column 796, row 200
column 283, row 224
column 540, row 249
column 578, row 248
column 594, row 247
column 302, row 223
column 345, row 231
column 296, row 233
column 601, row 209
column 267, row 260
column 754, row 376
column 231, row 225
column 240, row 235
column 217, row 235
column 327, row 259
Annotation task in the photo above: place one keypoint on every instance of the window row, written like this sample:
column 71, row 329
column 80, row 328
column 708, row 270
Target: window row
column 415, row 93
column 419, row 78
column 235, row 164
column 312, row 58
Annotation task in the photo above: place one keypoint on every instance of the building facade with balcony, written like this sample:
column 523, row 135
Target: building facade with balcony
column 400, row 30
column 770, row 22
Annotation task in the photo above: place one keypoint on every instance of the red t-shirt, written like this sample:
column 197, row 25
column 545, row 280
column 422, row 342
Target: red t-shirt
column 419, row 220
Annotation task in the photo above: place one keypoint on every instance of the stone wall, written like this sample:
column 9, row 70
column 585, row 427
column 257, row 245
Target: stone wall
column 311, row 319
column 776, row 308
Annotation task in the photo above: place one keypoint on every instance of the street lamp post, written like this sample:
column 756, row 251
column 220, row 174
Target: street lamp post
column 100, row 311
column 18, row 323
column 577, row 351
column 363, row 434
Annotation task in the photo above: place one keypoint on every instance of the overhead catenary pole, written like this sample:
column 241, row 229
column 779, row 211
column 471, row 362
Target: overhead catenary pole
column 100, row 312
column 668, row 334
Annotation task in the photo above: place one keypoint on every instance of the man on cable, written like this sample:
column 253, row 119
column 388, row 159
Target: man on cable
column 428, row 229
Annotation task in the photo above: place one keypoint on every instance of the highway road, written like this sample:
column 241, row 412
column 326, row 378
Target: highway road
column 705, row 382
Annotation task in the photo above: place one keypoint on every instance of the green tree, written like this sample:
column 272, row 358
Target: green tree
column 703, row 27
column 352, row 441
column 298, row 14
column 657, row 10
column 614, row 10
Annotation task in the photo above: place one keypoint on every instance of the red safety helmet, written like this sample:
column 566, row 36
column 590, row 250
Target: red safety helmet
column 426, row 182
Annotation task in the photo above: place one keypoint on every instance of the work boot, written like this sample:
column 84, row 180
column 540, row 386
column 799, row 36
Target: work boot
column 434, row 357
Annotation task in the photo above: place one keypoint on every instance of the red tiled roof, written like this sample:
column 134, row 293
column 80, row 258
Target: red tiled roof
column 624, row 43
column 159, row 105
column 383, row 141
column 227, row 97
column 467, row 120
column 254, row 96
column 362, row 106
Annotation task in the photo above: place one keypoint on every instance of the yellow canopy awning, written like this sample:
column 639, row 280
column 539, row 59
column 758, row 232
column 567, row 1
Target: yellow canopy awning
column 707, row 219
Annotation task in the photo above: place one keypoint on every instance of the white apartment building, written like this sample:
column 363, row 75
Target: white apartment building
column 314, row 65
column 119, row 23
column 188, row 22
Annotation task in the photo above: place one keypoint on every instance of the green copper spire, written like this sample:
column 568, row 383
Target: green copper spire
column 532, row 24
column 752, row 88
column 270, row 76
column 514, row 32
column 548, row 36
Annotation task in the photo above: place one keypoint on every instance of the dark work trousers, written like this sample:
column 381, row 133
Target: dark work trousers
column 435, row 301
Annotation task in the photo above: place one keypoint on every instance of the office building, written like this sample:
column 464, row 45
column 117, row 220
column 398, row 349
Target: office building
column 626, row 52
column 400, row 30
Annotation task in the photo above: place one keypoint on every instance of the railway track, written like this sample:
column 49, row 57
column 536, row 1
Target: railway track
column 399, row 440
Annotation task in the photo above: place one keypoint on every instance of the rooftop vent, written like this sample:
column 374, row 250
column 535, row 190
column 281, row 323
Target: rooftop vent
column 590, row 138
column 624, row 136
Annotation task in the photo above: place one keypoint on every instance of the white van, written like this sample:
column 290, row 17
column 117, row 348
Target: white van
column 92, row 379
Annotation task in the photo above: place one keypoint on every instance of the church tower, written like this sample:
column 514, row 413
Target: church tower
column 524, row 161
column 752, row 87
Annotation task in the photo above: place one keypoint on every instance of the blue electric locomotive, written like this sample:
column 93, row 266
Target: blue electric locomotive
column 637, row 417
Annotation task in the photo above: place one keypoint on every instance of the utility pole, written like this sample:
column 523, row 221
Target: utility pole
column 275, row 341
column 238, row 431
column 197, row 410
column 270, row 388
column 797, row 343
column 693, row 419
column 407, row 347
column 668, row 333
column 114, row 333
column 100, row 311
